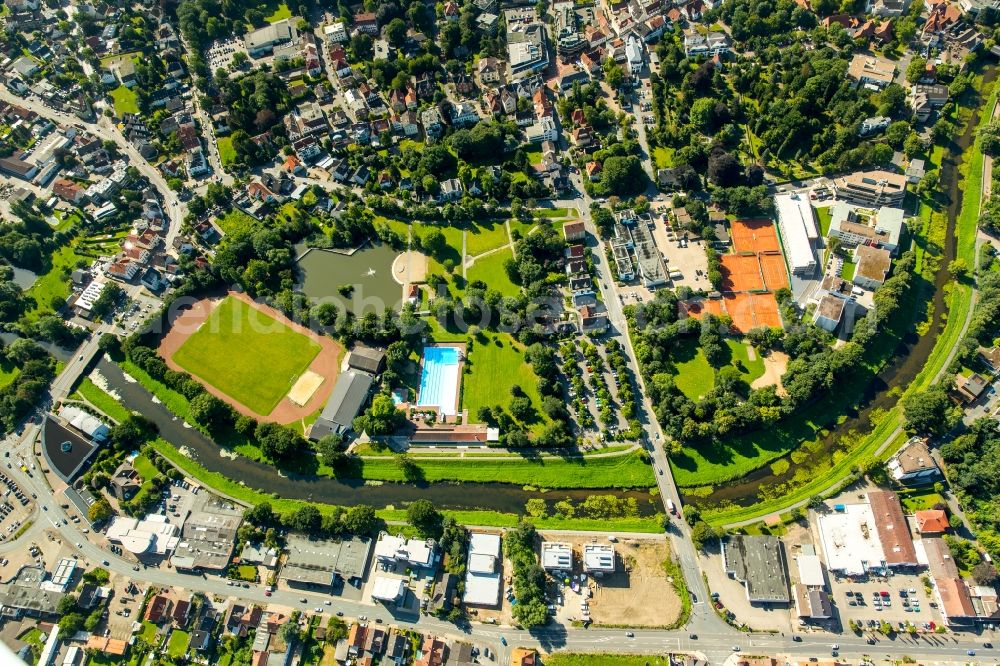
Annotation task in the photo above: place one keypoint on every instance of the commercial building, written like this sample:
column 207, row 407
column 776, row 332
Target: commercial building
column 870, row 536
column 599, row 558
column 484, row 571
column 348, row 397
column 884, row 227
column 759, row 563
column 893, row 531
column 914, row 463
column 321, row 562
column 811, row 604
column 873, row 188
column 152, row 535
column 65, row 450
column 811, row 570
column 262, row 41
column 798, row 232
column 85, row 423
column 851, row 546
column 23, row 595
column 527, row 47
column 208, row 535
column 557, row 556
column 950, row 591
column 388, row 589
column 390, row 549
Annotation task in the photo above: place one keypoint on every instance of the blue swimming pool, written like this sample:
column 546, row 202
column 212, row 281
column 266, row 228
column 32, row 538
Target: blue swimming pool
column 439, row 379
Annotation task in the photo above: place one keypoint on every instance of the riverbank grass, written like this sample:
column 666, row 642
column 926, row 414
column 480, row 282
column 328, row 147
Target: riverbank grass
column 246, row 354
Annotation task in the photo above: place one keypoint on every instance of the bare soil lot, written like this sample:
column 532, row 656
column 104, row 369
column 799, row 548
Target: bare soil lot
column 641, row 593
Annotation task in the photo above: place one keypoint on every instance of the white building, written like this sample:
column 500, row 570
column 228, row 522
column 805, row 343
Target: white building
column 850, row 539
column 388, row 589
column 811, row 570
column 152, row 535
column 557, row 556
column 483, row 574
column 598, row 558
column 89, row 425
column 391, row 549
column 798, row 231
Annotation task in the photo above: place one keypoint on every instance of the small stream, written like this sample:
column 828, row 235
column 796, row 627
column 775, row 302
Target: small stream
column 908, row 360
column 502, row 497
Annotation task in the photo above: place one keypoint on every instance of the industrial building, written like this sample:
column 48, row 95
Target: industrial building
column 759, row 563
column 322, row 562
column 798, row 232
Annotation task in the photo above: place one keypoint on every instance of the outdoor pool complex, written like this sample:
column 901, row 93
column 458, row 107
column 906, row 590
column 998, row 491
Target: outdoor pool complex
column 439, row 379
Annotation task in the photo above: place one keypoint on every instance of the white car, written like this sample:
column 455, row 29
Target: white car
column 327, row 602
column 319, row 609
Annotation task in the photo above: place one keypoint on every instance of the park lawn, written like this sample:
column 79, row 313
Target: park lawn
column 519, row 229
column 145, row 468
column 553, row 212
column 235, row 221
column 490, row 269
column 177, row 645
column 694, row 376
column 625, row 471
column 247, row 355
column 226, row 151
column 487, row 235
column 92, row 393
column 495, row 363
column 452, row 250
column 438, row 333
column 282, row 11
column 824, row 215
column 750, row 370
column 571, row 659
column 54, row 283
column 125, row 101
column 664, row 157
column 847, row 272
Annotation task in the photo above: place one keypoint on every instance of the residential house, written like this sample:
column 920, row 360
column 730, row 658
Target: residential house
column 872, row 266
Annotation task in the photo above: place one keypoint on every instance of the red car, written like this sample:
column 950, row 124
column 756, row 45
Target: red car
column 884, row 593
column 267, row 593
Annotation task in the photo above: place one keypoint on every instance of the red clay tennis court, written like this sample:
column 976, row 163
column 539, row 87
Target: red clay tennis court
column 700, row 307
column 751, row 310
column 772, row 266
column 741, row 272
column 765, row 310
column 754, row 236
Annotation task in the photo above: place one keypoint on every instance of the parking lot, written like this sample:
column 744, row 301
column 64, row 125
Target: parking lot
column 137, row 311
column 15, row 507
column 882, row 599
column 688, row 256
column 219, row 54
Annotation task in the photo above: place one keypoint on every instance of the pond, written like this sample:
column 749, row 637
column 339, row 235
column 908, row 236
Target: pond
column 322, row 274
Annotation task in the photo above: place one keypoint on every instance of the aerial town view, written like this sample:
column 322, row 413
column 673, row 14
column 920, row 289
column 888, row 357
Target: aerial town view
column 499, row 332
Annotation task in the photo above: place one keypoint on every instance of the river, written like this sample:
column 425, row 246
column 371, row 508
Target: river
column 506, row 498
column 908, row 361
